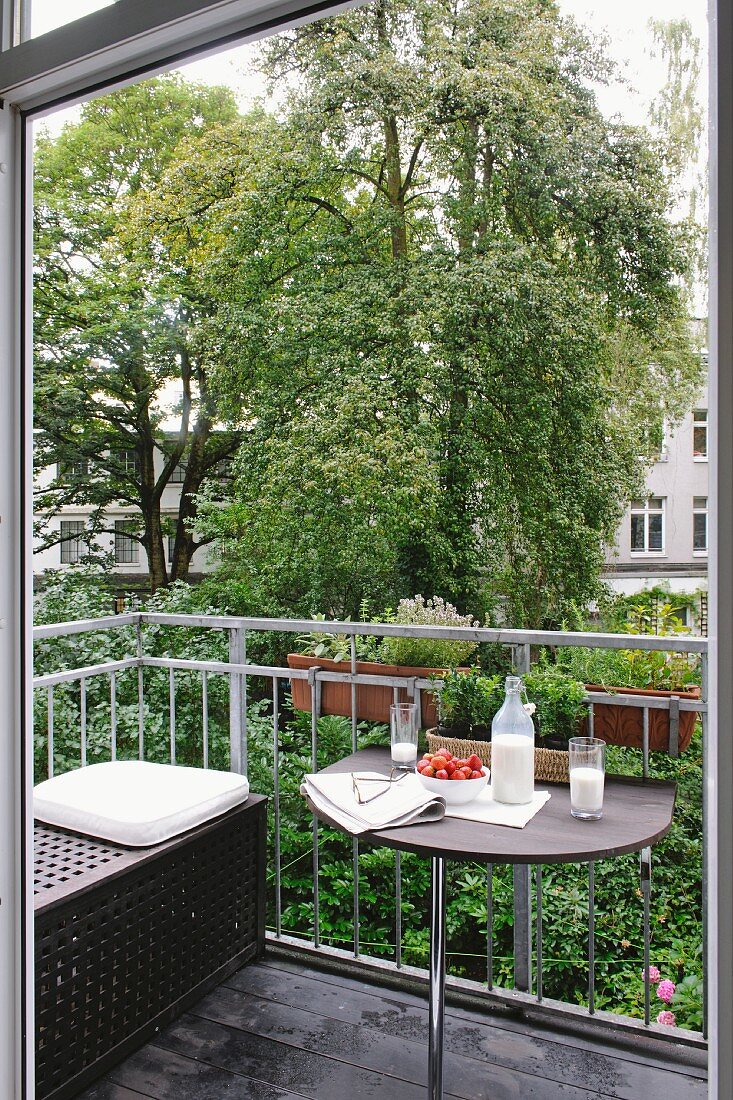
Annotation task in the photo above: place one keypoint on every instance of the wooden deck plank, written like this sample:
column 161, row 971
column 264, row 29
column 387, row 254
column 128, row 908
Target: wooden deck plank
column 107, row 1090
column 403, row 1059
column 377, row 1010
column 167, row 1076
column 282, row 1030
column 277, row 1063
column 643, row 1049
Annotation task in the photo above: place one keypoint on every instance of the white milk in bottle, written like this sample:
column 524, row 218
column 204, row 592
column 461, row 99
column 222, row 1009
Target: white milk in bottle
column 512, row 748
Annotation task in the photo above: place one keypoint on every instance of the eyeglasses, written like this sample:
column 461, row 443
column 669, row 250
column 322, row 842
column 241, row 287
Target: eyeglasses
column 360, row 784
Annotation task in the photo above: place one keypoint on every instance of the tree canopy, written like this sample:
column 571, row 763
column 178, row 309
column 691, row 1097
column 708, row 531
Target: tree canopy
column 449, row 304
column 117, row 327
column 441, row 299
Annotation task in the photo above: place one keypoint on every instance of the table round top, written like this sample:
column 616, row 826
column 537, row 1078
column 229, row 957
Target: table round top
column 636, row 814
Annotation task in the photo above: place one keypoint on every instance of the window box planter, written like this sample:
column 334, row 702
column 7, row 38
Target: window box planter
column 619, row 725
column 372, row 700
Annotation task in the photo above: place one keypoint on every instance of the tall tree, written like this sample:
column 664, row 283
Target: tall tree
column 121, row 371
column 493, row 290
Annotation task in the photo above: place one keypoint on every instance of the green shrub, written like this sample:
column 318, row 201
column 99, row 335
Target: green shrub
column 428, row 652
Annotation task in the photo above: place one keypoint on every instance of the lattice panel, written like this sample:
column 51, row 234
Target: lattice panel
column 111, row 959
column 60, row 857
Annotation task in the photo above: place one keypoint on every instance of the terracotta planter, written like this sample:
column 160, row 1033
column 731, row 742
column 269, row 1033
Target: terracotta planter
column 625, row 725
column 372, row 700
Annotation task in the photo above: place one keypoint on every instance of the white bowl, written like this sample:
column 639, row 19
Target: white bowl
column 455, row 792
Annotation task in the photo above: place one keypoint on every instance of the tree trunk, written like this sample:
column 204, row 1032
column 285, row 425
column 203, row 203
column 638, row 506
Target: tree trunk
column 392, row 155
column 184, row 545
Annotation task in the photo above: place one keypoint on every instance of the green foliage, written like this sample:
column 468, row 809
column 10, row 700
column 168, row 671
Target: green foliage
column 428, row 652
column 469, row 699
column 491, row 326
column 558, row 698
column 656, row 607
column 677, row 890
column 118, row 324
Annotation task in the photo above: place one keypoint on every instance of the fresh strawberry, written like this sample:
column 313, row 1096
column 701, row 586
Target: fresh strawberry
column 466, row 771
column 445, row 753
column 422, row 765
column 442, row 774
column 429, row 771
column 458, row 774
column 427, row 756
column 450, row 767
column 474, row 762
column 476, row 775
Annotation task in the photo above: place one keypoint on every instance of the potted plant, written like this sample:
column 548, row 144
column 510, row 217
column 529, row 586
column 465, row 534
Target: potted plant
column 640, row 672
column 469, row 701
column 424, row 658
column 559, row 705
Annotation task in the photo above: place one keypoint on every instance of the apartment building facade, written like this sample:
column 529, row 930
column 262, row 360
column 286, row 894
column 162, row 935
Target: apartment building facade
column 663, row 537
column 70, row 526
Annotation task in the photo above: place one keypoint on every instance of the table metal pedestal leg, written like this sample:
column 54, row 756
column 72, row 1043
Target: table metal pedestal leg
column 437, row 981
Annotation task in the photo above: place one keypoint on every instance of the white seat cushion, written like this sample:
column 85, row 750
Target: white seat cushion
column 136, row 803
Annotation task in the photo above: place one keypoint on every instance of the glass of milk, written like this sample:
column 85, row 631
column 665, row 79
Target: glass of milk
column 403, row 727
column 587, row 771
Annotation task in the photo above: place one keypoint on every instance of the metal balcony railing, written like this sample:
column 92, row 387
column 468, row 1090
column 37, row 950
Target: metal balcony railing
column 528, row 903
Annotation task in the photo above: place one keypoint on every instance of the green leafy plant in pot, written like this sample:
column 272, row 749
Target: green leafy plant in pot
column 559, row 707
column 467, row 701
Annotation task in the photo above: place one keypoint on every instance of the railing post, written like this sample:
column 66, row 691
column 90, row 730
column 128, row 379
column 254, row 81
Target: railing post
column 522, row 882
column 237, row 703
column 522, row 928
column 140, row 691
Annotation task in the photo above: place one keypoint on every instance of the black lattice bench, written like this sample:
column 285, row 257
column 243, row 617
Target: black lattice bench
column 126, row 939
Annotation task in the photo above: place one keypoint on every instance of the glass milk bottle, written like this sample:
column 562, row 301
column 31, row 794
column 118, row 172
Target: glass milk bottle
column 512, row 748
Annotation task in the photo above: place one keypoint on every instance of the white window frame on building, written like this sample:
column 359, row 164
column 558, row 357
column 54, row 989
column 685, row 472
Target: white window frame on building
column 72, row 546
column 127, row 548
column 648, row 511
column 700, row 430
column 77, row 469
column 130, row 460
column 700, row 529
column 178, row 474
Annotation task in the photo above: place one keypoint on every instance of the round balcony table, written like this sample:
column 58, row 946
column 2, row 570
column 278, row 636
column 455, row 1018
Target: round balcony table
column 636, row 814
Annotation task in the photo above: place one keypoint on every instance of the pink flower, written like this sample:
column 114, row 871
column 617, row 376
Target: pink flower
column 654, row 975
column 667, row 1018
column 665, row 990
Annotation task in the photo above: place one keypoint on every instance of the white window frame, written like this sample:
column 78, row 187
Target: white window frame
column 701, row 419
column 122, row 535
column 646, row 512
column 116, row 45
column 700, row 510
column 69, row 544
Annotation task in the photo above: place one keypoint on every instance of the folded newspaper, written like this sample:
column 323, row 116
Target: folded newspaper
column 355, row 808
column 401, row 803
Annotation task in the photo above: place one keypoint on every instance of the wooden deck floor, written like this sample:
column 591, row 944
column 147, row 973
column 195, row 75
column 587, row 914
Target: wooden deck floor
column 278, row 1030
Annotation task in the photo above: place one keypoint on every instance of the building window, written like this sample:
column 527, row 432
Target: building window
column 700, row 524
column 647, row 525
column 171, row 547
column 700, row 435
column 130, row 462
column 73, row 470
column 127, row 549
column 178, row 475
column 72, row 545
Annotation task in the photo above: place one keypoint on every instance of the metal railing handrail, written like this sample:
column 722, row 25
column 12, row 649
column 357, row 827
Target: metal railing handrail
column 678, row 643
column 240, row 671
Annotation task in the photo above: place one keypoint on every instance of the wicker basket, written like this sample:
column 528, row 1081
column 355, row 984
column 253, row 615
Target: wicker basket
column 550, row 765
